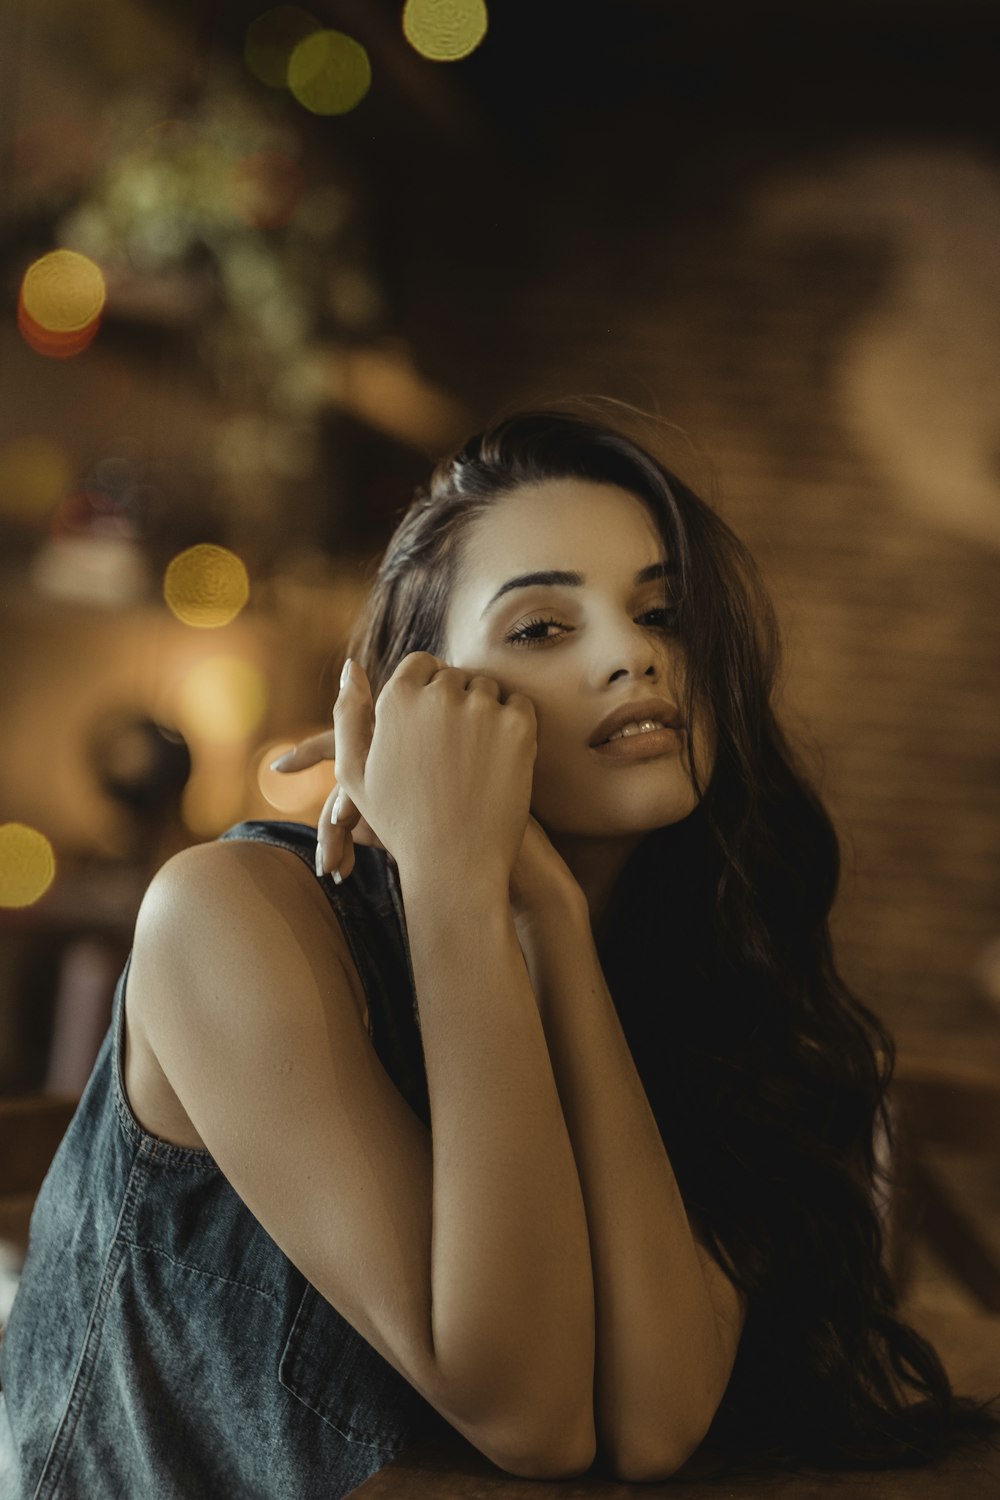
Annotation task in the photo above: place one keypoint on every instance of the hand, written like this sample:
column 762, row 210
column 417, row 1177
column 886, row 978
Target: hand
column 541, row 878
column 335, row 839
column 467, row 805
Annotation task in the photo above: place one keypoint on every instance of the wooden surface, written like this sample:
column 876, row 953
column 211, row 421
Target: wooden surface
column 970, row 1348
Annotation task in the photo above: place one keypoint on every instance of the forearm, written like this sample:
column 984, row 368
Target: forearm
column 657, row 1337
column 512, row 1297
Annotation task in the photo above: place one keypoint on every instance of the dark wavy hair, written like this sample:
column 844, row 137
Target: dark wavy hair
column 769, row 1080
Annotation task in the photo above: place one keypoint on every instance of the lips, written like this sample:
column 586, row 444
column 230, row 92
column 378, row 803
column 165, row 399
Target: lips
column 634, row 711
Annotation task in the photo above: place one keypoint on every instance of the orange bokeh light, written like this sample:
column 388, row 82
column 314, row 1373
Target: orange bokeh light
column 60, row 303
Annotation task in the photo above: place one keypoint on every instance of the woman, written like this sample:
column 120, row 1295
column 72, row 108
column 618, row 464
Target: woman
column 580, row 928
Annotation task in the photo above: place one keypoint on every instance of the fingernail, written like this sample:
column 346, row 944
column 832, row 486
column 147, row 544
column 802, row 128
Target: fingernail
column 319, row 862
column 337, row 808
column 280, row 760
column 345, row 674
column 337, row 877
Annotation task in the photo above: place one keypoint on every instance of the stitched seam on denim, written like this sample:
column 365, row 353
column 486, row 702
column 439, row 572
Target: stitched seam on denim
column 62, row 1440
column 344, row 1428
column 186, row 1265
column 381, row 1438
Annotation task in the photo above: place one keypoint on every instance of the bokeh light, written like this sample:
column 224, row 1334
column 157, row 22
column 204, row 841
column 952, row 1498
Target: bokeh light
column 266, row 187
column 271, row 40
column 27, row 865
column 302, row 792
column 35, row 475
column 444, row 30
column 221, row 699
column 206, row 585
column 329, row 73
column 60, row 303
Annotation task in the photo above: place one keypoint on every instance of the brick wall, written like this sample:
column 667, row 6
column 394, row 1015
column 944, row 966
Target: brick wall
column 741, row 334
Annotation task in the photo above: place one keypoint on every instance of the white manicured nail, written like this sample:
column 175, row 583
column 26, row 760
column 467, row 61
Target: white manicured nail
column 319, row 862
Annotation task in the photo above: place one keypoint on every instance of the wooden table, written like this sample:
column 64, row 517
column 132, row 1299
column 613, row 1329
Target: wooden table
column 969, row 1347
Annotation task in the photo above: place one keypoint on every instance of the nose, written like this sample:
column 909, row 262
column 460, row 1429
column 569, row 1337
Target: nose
column 635, row 656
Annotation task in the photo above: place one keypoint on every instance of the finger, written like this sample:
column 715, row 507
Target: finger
column 334, row 845
column 483, row 684
column 417, row 668
column 341, row 809
column 353, row 719
column 306, row 753
column 347, row 859
column 331, row 843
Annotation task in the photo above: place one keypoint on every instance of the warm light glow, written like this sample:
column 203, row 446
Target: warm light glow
column 60, row 303
column 27, row 865
column 271, row 40
column 221, row 699
column 206, row 586
column 213, row 798
column 444, row 30
column 302, row 792
column 329, row 73
column 35, row 475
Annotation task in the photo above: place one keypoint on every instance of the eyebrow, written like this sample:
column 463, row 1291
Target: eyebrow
column 554, row 577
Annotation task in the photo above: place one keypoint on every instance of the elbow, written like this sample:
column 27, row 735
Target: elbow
column 560, row 1450
column 650, row 1462
column 645, row 1468
column 555, row 1456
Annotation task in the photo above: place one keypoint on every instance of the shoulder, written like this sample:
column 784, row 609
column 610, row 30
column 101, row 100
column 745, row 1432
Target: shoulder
column 217, row 906
column 220, row 865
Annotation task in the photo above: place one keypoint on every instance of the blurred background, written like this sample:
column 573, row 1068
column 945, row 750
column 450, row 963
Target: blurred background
column 260, row 267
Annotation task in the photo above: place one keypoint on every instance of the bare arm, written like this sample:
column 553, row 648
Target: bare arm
column 461, row 1255
column 668, row 1318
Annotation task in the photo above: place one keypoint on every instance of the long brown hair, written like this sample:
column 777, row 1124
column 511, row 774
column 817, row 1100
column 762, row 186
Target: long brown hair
column 768, row 1078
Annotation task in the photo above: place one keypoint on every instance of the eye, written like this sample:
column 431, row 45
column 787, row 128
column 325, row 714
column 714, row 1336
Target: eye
column 522, row 636
column 668, row 616
column 528, row 634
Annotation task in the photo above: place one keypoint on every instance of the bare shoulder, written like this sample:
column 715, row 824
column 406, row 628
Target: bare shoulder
column 243, row 998
column 214, row 896
column 182, row 961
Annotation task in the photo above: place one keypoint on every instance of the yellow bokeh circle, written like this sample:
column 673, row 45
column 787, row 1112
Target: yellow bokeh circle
column 63, row 292
column 272, row 38
column 206, row 585
column 27, row 865
column 444, row 30
column 329, row 73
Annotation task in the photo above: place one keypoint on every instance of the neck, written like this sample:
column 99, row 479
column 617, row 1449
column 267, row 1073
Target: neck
column 595, row 865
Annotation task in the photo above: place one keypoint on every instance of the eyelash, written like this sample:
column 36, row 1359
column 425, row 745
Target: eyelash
column 520, row 637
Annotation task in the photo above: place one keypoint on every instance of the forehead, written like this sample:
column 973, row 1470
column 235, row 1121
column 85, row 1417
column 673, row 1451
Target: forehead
column 564, row 523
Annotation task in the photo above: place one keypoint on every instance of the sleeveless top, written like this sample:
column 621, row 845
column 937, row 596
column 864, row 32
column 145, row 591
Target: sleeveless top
column 160, row 1343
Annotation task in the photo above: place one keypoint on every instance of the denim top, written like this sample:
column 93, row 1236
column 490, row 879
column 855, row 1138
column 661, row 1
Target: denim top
column 160, row 1344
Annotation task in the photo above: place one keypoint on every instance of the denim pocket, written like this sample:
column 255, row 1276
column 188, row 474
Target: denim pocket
column 337, row 1374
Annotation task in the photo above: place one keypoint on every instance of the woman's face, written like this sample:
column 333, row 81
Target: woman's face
column 578, row 650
